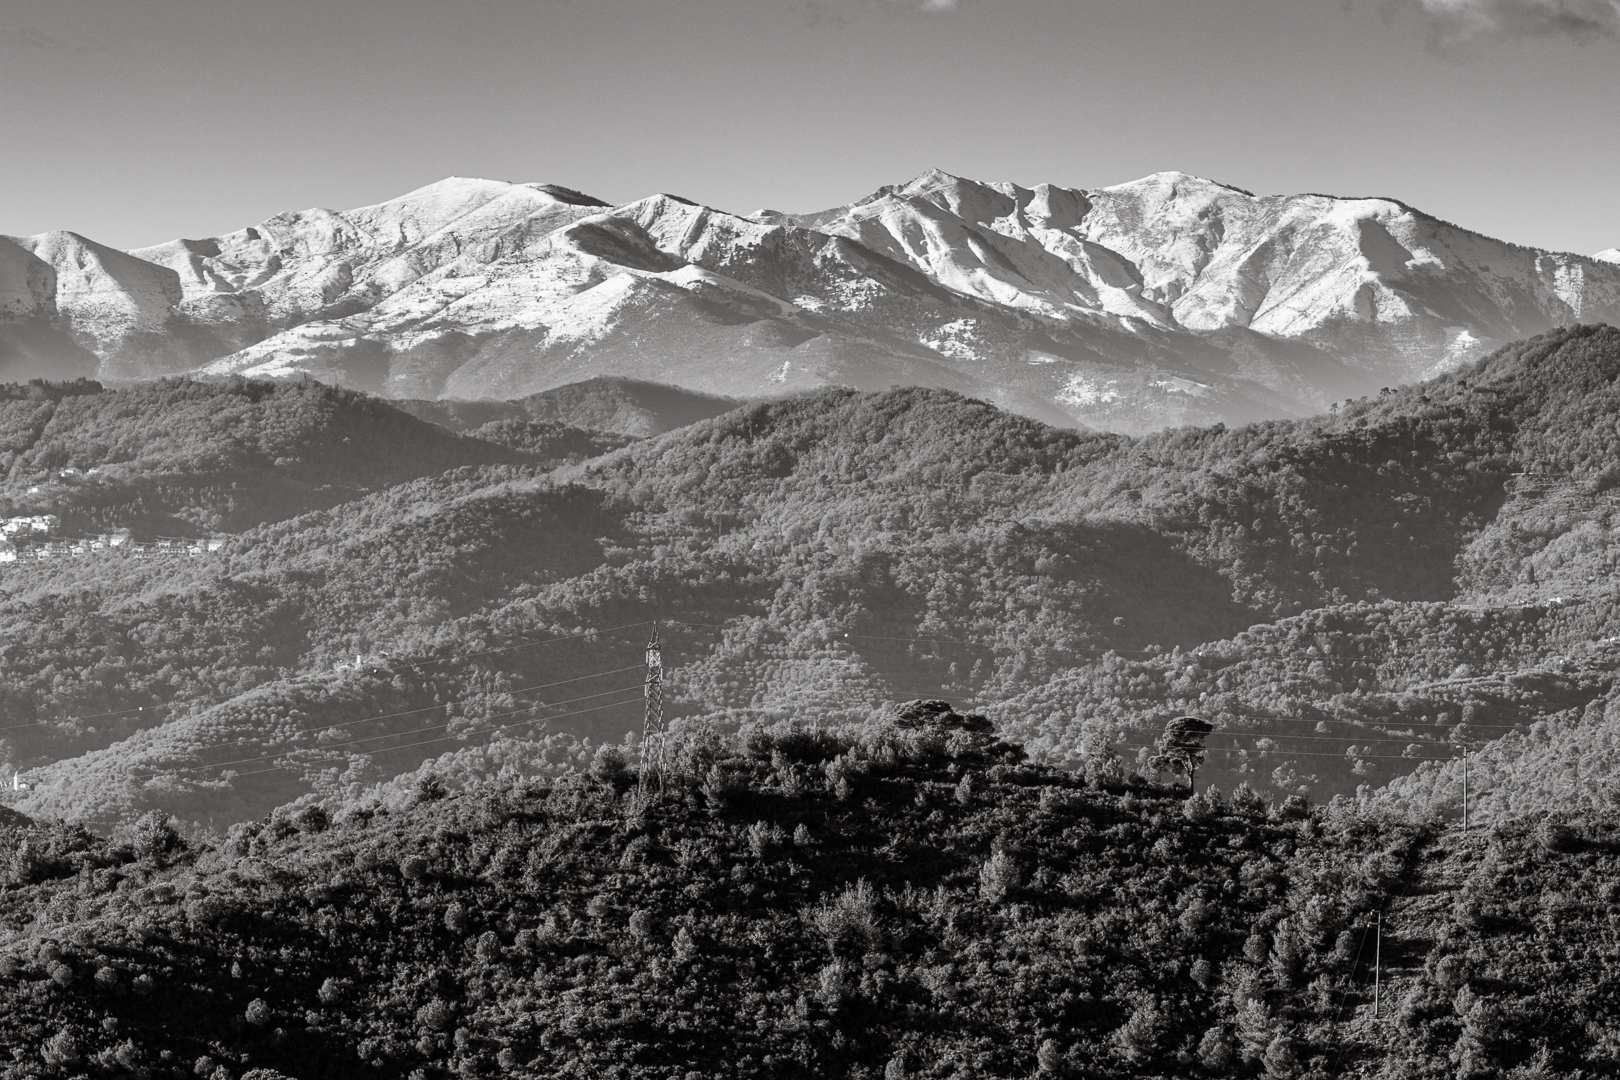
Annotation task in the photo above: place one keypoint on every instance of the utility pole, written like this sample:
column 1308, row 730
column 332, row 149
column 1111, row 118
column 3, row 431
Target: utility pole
column 1378, row 957
column 652, row 728
column 1465, row 791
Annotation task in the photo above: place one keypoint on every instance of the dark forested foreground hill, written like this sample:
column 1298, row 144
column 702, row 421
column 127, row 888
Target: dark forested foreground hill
column 1349, row 599
column 906, row 898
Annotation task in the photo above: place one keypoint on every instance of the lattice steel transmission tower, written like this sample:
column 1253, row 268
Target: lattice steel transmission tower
column 652, row 728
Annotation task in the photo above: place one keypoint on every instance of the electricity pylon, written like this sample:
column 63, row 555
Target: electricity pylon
column 652, row 727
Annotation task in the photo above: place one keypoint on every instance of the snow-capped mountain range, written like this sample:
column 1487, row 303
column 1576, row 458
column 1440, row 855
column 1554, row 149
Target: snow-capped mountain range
column 1168, row 300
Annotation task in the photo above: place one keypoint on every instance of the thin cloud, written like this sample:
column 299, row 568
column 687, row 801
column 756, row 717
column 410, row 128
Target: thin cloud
column 839, row 13
column 1454, row 22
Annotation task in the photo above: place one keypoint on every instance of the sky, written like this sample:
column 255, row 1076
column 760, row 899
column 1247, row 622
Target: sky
column 136, row 121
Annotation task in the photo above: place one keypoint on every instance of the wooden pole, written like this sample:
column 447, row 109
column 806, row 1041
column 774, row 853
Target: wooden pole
column 1465, row 791
column 1378, row 958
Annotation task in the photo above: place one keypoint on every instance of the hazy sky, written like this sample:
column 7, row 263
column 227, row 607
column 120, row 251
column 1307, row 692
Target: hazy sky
column 134, row 121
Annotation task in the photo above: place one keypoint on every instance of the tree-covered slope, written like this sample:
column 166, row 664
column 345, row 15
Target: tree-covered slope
column 908, row 899
column 183, row 457
column 629, row 407
column 1313, row 588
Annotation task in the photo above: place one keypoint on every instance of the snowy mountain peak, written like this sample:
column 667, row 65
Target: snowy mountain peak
column 453, row 187
column 106, row 294
column 472, row 190
column 1612, row 255
column 1166, row 300
column 1174, row 183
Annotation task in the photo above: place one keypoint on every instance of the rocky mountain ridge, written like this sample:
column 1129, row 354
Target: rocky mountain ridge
column 1164, row 301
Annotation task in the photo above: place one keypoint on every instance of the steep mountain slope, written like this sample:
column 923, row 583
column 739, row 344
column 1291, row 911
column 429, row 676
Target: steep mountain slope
column 27, row 283
column 1166, row 301
column 33, row 344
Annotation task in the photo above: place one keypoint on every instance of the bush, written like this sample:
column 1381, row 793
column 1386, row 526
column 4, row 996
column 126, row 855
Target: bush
column 154, row 837
column 999, row 877
column 61, row 1050
column 436, row 1015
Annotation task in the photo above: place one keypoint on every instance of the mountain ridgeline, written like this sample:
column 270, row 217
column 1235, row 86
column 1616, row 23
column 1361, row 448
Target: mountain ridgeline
column 1350, row 599
column 1165, row 301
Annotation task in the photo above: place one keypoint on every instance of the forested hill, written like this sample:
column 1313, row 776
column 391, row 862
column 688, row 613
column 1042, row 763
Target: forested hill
column 186, row 458
column 906, row 899
column 614, row 404
column 1349, row 599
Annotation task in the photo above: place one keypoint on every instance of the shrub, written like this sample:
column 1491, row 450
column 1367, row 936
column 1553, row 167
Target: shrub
column 999, row 877
column 724, row 784
column 154, row 837
column 61, row 1049
column 609, row 764
column 849, row 919
column 436, row 1015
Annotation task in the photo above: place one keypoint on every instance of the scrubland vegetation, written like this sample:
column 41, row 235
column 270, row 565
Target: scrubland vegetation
column 911, row 897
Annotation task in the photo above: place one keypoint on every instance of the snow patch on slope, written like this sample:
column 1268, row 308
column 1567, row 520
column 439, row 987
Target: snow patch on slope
column 1082, row 391
column 27, row 283
column 106, row 293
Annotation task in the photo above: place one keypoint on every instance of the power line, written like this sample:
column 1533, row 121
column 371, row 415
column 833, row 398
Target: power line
column 57, row 720
column 454, row 738
column 88, row 716
column 840, row 636
column 389, row 661
column 1328, row 738
column 1294, row 753
column 374, row 738
column 411, row 712
column 527, row 644
column 1148, row 707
